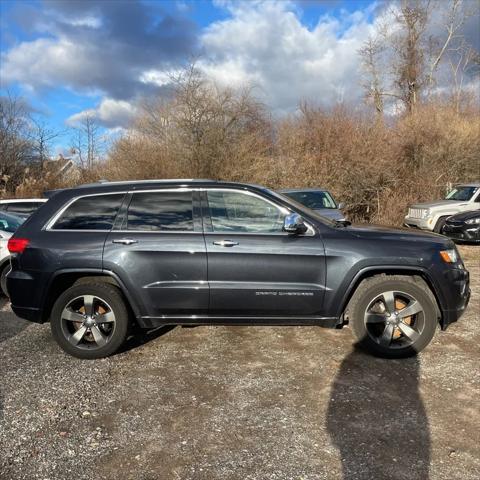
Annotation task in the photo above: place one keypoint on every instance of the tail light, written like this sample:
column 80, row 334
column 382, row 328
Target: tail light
column 17, row 245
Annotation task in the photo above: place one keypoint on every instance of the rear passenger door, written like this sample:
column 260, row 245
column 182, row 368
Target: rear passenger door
column 158, row 250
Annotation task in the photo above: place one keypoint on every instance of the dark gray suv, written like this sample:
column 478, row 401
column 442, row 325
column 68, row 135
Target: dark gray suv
column 98, row 259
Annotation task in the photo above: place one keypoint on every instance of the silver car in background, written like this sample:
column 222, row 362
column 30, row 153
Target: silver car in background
column 317, row 199
column 433, row 215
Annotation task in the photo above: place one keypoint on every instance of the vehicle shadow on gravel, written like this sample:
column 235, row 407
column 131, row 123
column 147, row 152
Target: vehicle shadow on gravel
column 377, row 419
column 10, row 324
column 140, row 337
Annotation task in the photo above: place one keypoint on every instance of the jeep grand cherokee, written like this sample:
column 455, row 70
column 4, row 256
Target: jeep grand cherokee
column 97, row 259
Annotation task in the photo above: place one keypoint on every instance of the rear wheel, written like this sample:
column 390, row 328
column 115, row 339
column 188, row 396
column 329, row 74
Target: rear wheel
column 393, row 316
column 3, row 278
column 90, row 320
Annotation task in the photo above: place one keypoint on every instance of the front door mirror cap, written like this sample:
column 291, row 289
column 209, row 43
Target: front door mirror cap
column 294, row 224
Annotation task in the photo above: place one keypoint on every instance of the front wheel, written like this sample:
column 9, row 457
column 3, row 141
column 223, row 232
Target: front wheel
column 90, row 320
column 393, row 316
column 440, row 224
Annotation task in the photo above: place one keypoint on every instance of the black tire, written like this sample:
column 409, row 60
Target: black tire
column 372, row 293
column 440, row 224
column 3, row 278
column 117, row 330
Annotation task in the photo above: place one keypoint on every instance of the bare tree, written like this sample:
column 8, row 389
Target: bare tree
column 15, row 146
column 464, row 63
column 408, row 43
column 87, row 142
column 201, row 122
column 413, row 40
column 41, row 137
column 371, row 61
column 453, row 18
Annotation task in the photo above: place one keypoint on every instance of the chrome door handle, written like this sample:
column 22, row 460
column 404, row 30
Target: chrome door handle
column 125, row 241
column 225, row 243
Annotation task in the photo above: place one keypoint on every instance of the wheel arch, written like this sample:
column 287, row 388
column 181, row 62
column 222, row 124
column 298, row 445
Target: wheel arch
column 64, row 279
column 369, row 272
column 439, row 218
column 4, row 261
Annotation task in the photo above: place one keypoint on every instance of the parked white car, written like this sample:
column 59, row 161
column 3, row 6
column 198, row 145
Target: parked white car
column 21, row 206
column 8, row 224
column 432, row 215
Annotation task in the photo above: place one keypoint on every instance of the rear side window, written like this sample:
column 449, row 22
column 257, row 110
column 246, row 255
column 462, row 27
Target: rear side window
column 96, row 212
column 160, row 211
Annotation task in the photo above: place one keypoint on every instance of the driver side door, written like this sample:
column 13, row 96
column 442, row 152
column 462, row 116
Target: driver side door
column 254, row 267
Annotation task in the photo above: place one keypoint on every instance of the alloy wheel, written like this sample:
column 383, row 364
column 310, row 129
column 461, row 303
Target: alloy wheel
column 88, row 322
column 394, row 319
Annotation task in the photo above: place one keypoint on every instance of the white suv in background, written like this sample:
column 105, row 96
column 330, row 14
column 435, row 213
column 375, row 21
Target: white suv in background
column 21, row 206
column 8, row 225
column 432, row 215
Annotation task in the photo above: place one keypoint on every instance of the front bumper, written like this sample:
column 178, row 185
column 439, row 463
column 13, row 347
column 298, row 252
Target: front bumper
column 421, row 223
column 464, row 232
column 456, row 295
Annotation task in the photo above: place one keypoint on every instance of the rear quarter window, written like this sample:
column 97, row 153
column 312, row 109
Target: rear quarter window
column 96, row 212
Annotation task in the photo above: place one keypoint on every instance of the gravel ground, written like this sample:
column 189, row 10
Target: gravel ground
column 241, row 403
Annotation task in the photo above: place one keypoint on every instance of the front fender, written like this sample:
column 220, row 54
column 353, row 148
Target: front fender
column 343, row 297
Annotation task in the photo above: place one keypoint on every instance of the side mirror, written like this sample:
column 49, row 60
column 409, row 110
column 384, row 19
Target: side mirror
column 341, row 205
column 293, row 223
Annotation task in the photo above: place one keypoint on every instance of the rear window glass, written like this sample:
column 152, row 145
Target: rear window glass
column 313, row 200
column 161, row 211
column 25, row 208
column 96, row 212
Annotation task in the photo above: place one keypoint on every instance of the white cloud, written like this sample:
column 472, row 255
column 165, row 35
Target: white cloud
column 266, row 44
column 159, row 78
column 110, row 113
column 42, row 62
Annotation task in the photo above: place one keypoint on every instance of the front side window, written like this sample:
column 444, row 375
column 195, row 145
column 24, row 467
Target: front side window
column 461, row 194
column 240, row 212
column 160, row 211
column 96, row 212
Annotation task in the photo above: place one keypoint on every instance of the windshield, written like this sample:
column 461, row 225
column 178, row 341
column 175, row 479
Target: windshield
column 313, row 200
column 302, row 209
column 461, row 194
column 10, row 223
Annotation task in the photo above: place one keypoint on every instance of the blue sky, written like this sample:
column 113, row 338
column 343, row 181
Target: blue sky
column 71, row 57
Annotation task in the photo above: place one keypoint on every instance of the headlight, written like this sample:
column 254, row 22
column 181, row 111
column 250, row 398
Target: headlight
column 449, row 256
column 426, row 213
column 473, row 221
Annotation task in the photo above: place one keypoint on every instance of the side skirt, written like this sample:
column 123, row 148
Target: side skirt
column 153, row 322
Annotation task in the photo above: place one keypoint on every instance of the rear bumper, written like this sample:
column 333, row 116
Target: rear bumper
column 26, row 290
